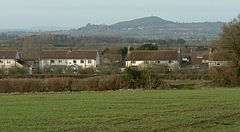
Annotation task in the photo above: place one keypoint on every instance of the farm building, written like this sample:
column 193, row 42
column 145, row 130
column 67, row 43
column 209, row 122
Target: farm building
column 83, row 59
column 219, row 59
column 170, row 58
column 9, row 59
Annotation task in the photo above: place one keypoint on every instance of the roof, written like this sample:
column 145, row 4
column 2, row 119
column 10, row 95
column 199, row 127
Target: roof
column 198, row 57
column 64, row 54
column 8, row 54
column 221, row 56
column 152, row 55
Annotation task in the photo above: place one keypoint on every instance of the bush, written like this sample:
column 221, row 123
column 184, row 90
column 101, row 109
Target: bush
column 35, row 85
column 224, row 76
column 238, row 72
column 55, row 69
column 146, row 78
column 112, row 82
column 86, row 71
column 108, row 69
column 58, row 84
column 21, row 85
column 18, row 71
column 2, row 71
column 68, row 70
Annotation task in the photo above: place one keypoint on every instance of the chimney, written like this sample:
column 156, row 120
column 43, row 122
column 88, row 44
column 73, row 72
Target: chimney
column 18, row 56
column 179, row 55
column 70, row 50
column 129, row 49
column 179, row 50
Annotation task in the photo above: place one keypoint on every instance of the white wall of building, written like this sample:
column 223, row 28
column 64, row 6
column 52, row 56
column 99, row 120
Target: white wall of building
column 218, row 63
column 172, row 64
column 9, row 63
column 84, row 63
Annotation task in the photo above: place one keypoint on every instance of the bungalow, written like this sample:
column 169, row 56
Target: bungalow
column 143, row 58
column 219, row 59
column 10, row 59
column 83, row 59
column 199, row 59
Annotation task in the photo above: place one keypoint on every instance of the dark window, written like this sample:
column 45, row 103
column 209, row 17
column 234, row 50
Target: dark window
column 89, row 61
column 60, row 61
column 82, row 61
column 74, row 61
column 52, row 61
column 1, row 61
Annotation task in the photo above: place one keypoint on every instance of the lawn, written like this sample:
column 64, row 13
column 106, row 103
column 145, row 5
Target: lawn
column 173, row 110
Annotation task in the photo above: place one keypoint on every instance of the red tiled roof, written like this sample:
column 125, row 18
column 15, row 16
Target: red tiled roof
column 142, row 55
column 198, row 57
column 221, row 56
column 69, row 54
column 8, row 54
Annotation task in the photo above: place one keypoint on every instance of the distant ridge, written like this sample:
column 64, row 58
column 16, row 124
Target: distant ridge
column 152, row 27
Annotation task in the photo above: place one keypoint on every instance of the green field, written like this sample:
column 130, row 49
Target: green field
column 173, row 110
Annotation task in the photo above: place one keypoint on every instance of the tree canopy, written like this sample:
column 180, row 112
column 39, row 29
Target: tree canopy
column 148, row 47
column 230, row 38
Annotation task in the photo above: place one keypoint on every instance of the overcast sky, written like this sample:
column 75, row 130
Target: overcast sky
column 76, row 13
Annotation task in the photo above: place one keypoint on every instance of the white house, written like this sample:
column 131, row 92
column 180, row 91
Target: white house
column 9, row 59
column 83, row 59
column 219, row 59
column 141, row 58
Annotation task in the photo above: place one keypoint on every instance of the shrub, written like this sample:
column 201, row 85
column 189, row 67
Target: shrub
column 146, row 78
column 112, row 82
column 86, row 71
column 108, row 69
column 55, row 69
column 224, row 76
column 58, row 84
column 2, row 71
column 21, row 85
column 238, row 71
column 18, row 71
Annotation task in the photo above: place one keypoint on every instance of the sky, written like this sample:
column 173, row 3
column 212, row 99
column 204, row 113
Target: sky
column 77, row 13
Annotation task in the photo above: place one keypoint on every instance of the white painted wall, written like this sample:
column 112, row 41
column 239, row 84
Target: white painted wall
column 84, row 63
column 172, row 64
column 9, row 63
column 218, row 63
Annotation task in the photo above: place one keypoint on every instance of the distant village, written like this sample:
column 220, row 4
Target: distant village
column 173, row 59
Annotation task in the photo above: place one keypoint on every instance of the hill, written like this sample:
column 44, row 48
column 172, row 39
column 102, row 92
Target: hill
column 152, row 28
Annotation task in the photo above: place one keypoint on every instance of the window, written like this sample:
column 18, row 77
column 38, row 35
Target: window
column 60, row 61
column 1, row 61
column 145, row 62
column 159, row 62
column 89, row 61
column 52, row 61
column 74, row 62
column 82, row 61
column 169, row 61
column 8, row 62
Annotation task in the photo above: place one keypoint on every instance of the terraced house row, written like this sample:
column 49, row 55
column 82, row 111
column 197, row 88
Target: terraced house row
column 83, row 59
column 173, row 59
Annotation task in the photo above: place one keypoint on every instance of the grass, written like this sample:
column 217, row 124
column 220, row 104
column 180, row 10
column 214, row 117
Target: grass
column 173, row 110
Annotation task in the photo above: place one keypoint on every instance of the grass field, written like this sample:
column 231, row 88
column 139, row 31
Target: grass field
column 174, row 110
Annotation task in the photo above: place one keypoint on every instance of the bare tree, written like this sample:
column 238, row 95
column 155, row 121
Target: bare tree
column 230, row 38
